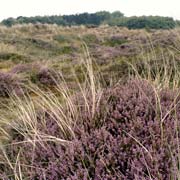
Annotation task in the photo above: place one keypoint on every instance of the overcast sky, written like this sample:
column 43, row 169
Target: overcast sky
column 15, row 8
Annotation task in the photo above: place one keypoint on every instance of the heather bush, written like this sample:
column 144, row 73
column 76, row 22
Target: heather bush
column 41, row 43
column 103, row 53
column 47, row 76
column 133, row 135
column 9, row 83
column 146, row 128
column 21, row 68
column 36, row 73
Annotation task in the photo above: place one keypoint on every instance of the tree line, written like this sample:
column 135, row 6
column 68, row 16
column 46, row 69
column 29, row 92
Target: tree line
column 116, row 18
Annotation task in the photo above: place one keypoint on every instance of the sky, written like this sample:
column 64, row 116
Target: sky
column 15, row 8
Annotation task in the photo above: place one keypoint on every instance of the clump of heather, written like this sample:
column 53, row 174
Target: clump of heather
column 22, row 68
column 47, row 76
column 37, row 73
column 9, row 83
column 146, row 130
column 133, row 135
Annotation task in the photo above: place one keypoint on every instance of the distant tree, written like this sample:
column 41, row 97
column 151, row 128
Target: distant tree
column 152, row 22
column 9, row 22
column 117, row 14
column 102, row 17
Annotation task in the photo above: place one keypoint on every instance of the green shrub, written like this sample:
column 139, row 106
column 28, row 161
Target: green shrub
column 90, row 38
column 114, row 41
column 11, row 56
column 61, row 38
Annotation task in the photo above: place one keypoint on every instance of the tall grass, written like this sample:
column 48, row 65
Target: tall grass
column 28, row 111
column 66, row 110
column 162, row 71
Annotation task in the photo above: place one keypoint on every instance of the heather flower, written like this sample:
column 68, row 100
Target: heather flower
column 47, row 76
column 9, row 83
column 21, row 68
column 130, row 137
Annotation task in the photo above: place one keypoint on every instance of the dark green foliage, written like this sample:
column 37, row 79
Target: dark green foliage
column 102, row 17
column 77, row 19
column 11, row 56
column 9, row 22
column 153, row 22
column 61, row 38
column 117, row 14
column 64, row 50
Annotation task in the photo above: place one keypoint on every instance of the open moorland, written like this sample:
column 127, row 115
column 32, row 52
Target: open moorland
column 89, row 103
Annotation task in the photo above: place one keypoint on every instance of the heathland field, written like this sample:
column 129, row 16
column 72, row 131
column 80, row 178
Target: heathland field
column 89, row 103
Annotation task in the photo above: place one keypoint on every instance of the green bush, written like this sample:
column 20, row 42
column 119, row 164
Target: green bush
column 61, row 38
column 114, row 41
column 90, row 38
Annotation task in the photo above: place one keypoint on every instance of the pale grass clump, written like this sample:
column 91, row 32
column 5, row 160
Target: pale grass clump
column 7, row 48
column 163, row 73
column 28, row 111
column 162, row 70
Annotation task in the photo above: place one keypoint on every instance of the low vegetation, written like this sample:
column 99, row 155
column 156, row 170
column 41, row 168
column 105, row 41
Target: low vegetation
column 107, row 108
